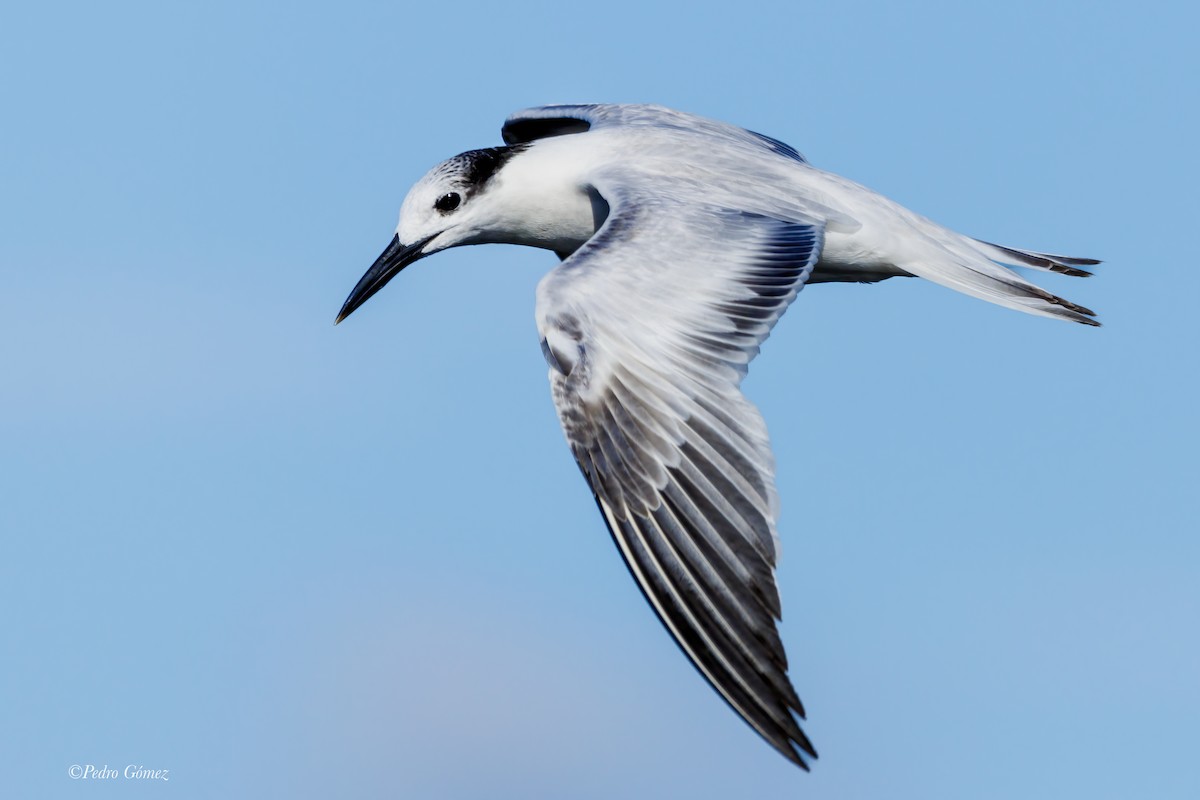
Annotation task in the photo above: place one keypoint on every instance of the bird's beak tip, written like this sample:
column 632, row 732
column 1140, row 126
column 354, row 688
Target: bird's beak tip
column 393, row 259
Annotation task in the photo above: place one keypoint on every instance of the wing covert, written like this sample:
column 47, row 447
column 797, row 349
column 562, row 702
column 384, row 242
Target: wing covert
column 531, row 124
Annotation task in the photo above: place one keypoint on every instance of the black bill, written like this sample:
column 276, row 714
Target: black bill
column 393, row 259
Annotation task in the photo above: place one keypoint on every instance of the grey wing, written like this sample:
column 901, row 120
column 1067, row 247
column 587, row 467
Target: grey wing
column 649, row 328
column 558, row 120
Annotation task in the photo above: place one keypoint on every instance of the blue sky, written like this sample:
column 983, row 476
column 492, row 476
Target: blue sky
column 282, row 559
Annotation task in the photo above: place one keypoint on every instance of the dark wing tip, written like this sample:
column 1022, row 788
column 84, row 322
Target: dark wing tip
column 796, row 748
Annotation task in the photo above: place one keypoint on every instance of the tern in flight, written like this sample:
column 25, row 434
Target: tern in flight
column 683, row 240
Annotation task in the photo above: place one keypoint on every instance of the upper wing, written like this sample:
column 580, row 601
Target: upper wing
column 649, row 328
column 544, row 121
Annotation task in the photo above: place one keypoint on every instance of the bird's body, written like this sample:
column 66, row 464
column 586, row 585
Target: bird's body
column 683, row 241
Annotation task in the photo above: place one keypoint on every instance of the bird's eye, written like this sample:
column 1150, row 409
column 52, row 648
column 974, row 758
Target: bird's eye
column 448, row 202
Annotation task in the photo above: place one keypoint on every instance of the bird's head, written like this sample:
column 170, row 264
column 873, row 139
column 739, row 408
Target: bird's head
column 450, row 206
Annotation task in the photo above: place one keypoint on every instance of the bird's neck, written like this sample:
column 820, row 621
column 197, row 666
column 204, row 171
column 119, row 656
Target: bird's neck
column 546, row 200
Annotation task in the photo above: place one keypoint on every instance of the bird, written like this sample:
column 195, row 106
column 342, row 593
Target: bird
column 682, row 240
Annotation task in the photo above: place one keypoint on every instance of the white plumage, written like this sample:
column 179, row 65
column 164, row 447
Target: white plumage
column 683, row 241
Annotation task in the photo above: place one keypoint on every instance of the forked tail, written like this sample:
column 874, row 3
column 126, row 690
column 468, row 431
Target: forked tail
column 979, row 269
